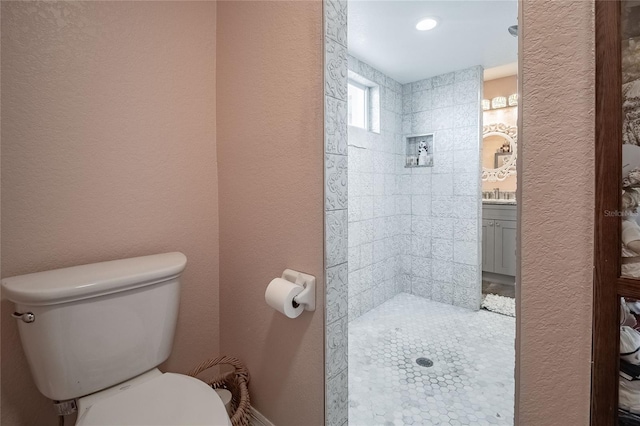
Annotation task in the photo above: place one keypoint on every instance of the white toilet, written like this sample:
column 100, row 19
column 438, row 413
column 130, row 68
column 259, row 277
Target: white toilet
column 94, row 334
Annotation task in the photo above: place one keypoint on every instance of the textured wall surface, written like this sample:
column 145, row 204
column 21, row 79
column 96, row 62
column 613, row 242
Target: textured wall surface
column 556, row 203
column 269, row 94
column 108, row 151
column 374, row 208
column 441, row 258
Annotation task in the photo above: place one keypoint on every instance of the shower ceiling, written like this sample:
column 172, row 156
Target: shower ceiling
column 383, row 34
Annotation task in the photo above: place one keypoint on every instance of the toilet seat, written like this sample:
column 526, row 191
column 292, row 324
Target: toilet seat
column 154, row 399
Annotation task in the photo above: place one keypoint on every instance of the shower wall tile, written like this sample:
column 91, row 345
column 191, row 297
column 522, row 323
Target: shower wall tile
column 467, row 137
column 465, row 161
column 442, row 249
column 421, row 267
column 336, row 347
column 336, row 20
column 421, row 246
column 353, row 258
column 420, row 101
column 443, row 118
column 420, row 85
column 421, row 120
column 465, row 252
column 445, row 198
column 335, row 126
column 443, row 80
column 367, row 231
column 442, row 227
column 465, row 229
column 420, row 184
column 421, row 226
column 473, row 73
column 466, row 92
column 375, row 200
column 442, row 270
column 465, row 183
column 466, row 207
column 337, row 399
column 337, row 292
column 442, row 206
column 442, row 184
column 445, row 140
column 366, row 255
column 422, row 286
column 336, row 167
column 467, row 115
column 443, row 162
column 467, row 297
column 335, row 70
column 443, row 95
column 403, row 282
column 335, row 182
column 421, row 205
column 442, row 292
column 336, row 237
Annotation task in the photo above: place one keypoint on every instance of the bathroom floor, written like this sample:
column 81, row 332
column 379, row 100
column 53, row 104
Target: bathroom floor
column 471, row 381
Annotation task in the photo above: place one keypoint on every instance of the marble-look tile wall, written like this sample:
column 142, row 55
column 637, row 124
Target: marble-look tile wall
column 374, row 207
column 441, row 257
column 335, row 170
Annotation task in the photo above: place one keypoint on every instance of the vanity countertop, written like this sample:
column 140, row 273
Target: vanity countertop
column 501, row 202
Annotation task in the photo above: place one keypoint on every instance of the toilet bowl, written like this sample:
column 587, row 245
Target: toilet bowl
column 154, row 399
column 95, row 335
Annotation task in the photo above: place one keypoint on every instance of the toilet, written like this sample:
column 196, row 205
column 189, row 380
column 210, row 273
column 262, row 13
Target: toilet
column 94, row 335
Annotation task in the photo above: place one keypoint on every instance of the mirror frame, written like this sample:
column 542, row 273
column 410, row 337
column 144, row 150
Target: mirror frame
column 510, row 133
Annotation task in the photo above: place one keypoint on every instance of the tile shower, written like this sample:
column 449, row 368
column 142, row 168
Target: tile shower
column 403, row 236
column 416, row 229
column 414, row 261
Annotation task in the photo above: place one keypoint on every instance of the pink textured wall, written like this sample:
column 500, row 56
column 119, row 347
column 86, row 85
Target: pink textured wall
column 108, row 151
column 271, row 197
column 556, row 168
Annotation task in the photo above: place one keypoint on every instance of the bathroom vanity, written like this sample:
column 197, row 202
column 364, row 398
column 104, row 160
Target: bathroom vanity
column 499, row 203
column 499, row 237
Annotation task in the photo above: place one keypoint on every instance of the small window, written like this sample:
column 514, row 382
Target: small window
column 358, row 105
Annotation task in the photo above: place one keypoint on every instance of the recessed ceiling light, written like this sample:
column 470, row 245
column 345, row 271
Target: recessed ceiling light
column 426, row 24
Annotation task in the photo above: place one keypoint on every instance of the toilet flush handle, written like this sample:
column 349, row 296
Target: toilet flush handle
column 27, row 317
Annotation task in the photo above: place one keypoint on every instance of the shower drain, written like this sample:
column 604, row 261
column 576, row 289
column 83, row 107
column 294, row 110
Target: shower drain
column 424, row 362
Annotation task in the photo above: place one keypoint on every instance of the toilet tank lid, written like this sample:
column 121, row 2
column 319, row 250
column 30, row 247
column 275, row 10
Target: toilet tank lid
column 96, row 279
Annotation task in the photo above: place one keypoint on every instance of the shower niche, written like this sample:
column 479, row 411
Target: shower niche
column 419, row 150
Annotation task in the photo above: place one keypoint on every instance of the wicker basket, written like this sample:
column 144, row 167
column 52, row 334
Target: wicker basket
column 236, row 381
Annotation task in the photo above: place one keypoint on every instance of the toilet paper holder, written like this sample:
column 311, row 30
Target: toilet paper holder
column 307, row 298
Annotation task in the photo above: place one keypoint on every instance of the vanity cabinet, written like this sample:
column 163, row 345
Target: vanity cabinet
column 499, row 239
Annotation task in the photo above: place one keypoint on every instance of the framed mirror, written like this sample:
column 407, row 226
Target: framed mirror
column 499, row 146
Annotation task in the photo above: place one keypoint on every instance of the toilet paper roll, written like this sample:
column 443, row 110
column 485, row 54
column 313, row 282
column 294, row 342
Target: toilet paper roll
column 280, row 294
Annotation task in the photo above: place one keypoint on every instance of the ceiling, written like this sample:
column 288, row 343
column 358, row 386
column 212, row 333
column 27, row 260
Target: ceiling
column 383, row 34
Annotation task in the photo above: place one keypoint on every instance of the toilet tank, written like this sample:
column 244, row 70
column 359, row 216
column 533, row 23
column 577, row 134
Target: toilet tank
column 97, row 325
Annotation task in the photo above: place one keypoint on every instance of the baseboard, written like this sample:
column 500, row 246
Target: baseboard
column 257, row 419
column 498, row 278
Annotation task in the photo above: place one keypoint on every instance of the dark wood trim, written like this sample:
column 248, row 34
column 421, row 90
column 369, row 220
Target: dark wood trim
column 629, row 288
column 608, row 152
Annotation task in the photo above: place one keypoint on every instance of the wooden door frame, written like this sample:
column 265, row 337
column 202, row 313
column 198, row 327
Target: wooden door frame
column 608, row 286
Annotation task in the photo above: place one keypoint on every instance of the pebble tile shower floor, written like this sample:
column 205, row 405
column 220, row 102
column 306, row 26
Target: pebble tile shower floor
column 471, row 381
